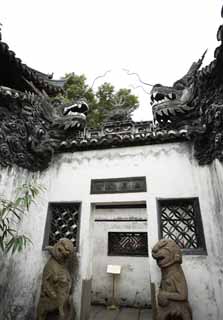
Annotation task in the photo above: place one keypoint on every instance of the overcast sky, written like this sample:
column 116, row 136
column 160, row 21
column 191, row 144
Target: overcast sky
column 158, row 39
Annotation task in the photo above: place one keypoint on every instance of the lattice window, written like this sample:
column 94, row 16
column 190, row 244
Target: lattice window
column 127, row 244
column 63, row 222
column 180, row 220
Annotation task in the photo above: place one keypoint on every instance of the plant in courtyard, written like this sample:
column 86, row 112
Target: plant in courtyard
column 12, row 212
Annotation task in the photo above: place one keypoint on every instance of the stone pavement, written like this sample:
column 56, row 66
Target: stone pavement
column 102, row 313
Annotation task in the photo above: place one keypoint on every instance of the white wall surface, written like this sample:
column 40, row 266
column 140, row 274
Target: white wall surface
column 170, row 171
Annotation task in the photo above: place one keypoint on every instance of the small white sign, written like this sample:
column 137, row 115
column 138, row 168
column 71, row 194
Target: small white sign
column 114, row 269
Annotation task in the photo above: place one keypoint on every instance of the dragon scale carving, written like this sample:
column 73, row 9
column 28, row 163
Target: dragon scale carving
column 32, row 127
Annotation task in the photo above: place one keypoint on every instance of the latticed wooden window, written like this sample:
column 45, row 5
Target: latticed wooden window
column 127, row 244
column 62, row 222
column 180, row 220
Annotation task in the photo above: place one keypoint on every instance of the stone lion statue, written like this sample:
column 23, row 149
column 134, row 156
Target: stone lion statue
column 56, row 286
column 173, row 293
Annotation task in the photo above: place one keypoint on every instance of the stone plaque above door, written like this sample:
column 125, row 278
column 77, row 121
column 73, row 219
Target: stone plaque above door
column 118, row 185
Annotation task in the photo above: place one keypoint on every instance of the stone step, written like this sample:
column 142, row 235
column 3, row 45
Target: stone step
column 102, row 313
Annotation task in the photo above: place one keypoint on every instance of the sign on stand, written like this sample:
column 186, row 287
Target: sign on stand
column 114, row 270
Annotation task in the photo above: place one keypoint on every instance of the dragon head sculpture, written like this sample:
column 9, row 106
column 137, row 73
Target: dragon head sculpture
column 176, row 103
column 195, row 102
column 33, row 121
column 32, row 127
column 73, row 116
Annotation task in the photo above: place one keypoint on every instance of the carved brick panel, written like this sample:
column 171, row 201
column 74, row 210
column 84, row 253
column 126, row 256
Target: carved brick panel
column 127, row 244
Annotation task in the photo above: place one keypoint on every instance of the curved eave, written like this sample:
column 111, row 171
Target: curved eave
column 40, row 80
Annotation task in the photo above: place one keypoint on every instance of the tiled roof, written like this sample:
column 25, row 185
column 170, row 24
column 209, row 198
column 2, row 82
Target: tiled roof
column 114, row 135
column 40, row 80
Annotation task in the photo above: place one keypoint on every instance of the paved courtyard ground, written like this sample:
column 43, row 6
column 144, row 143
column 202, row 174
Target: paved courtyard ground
column 102, row 313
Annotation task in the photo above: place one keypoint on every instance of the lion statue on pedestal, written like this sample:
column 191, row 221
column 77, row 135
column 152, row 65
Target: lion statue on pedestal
column 56, row 286
column 173, row 293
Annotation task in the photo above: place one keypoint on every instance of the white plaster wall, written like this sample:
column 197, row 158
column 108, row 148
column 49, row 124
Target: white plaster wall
column 170, row 171
column 133, row 284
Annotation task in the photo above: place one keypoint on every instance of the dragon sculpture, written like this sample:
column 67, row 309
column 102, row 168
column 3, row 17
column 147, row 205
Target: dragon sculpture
column 32, row 127
column 195, row 102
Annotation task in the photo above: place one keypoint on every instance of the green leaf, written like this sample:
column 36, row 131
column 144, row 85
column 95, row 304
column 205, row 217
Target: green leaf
column 2, row 245
column 15, row 246
column 9, row 245
column 25, row 196
column 11, row 231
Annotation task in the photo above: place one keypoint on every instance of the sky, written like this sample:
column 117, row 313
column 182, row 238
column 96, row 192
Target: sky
column 158, row 39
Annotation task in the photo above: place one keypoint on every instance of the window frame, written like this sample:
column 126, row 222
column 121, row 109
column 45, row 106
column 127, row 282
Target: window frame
column 194, row 201
column 49, row 220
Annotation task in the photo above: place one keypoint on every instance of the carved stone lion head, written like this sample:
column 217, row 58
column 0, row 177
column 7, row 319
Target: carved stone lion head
column 62, row 250
column 166, row 253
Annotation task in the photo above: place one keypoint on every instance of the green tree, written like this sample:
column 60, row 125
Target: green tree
column 76, row 88
column 11, row 213
column 105, row 100
column 125, row 103
column 104, row 103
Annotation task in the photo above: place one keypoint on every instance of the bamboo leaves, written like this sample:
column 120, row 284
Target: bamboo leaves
column 12, row 212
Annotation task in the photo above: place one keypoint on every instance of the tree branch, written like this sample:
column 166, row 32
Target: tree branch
column 98, row 77
column 133, row 87
column 136, row 74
